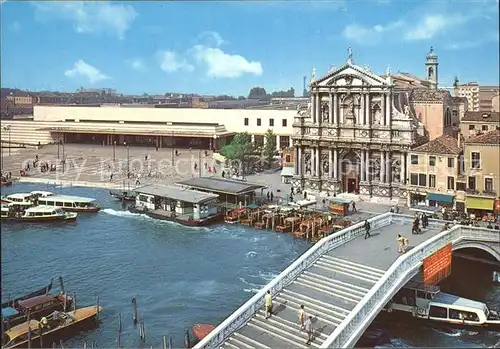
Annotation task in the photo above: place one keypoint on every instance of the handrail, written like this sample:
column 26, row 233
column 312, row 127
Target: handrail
column 248, row 309
column 363, row 313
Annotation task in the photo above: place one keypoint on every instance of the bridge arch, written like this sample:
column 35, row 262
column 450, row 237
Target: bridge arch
column 484, row 246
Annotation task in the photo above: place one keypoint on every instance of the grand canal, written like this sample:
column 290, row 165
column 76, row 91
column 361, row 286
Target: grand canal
column 180, row 276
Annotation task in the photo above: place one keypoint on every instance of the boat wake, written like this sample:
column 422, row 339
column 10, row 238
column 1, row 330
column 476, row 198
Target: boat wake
column 252, row 288
column 116, row 213
column 450, row 333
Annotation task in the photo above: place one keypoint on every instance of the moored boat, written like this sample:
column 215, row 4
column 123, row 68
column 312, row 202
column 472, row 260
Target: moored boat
column 5, row 182
column 55, row 327
column 123, row 195
column 288, row 225
column 22, row 200
column 423, row 302
column 200, row 331
column 43, row 291
column 39, row 213
column 70, row 203
column 235, row 215
column 41, row 193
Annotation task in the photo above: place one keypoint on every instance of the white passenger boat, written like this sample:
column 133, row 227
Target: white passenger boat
column 428, row 303
column 41, row 193
column 35, row 214
column 23, row 200
column 70, row 203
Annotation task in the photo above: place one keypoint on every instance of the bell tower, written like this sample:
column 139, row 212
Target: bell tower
column 431, row 69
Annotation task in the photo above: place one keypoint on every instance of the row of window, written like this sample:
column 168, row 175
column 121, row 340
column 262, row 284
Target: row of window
column 432, row 161
column 420, row 179
column 284, row 122
column 475, row 160
column 483, row 127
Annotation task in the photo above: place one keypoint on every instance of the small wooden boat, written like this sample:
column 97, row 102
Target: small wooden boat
column 70, row 203
column 43, row 291
column 123, row 195
column 200, row 331
column 37, row 307
column 235, row 215
column 35, row 214
column 54, row 327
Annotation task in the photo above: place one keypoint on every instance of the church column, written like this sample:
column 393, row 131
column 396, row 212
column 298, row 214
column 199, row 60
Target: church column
column 335, row 108
column 318, row 161
column 330, row 162
column 318, row 108
column 313, row 106
column 388, row 109
column 382, row 166
column 383, row 109
column 361, row 116
column 335, row 163
column 278, row 142
column 295, row 161
column 363, row 164
column 367, row 109
column 403, row 169
column 312, row 161
column 300, row 161
column 388, row 167
column 330, row 114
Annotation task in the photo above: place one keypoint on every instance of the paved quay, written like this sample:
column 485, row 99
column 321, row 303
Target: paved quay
column 329, row 290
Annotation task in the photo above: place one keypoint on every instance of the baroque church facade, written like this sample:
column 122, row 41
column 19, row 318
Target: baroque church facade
column 355, row 133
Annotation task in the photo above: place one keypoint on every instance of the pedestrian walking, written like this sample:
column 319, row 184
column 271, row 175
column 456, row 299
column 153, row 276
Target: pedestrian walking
column 402, row 243
column 309, row 329
column 291, row 190
column 268, row 196
column 354, row 207
column 367, row 229
column 223, row 173
column 269, row 304
column 272, row 196
column 302, row 317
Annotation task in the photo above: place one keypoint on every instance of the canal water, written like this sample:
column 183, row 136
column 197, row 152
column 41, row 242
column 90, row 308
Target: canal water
column 180, row 276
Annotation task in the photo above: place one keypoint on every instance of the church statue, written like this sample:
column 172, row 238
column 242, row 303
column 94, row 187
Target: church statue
column 325, row 111
column 313, row 74
column 367, row 68
column 389, row 70
column 349, row 54
column 407, row 110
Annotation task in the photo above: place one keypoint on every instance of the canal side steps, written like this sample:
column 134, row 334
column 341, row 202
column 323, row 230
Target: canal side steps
column 329, row 290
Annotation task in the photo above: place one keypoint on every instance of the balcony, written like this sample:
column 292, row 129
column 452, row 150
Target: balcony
column 484, row 193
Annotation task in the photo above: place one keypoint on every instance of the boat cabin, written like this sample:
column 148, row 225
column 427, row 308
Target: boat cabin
column 41, row 193
column 21, row 199
column 43, row 211
column 69, row 203
column 196, row 205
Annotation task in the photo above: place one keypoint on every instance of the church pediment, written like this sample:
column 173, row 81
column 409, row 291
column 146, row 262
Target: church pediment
column 350, row 75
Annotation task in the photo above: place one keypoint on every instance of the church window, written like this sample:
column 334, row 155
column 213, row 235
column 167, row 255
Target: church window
column 431, row 72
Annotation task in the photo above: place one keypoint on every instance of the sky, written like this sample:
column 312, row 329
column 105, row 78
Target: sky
column 228, row 47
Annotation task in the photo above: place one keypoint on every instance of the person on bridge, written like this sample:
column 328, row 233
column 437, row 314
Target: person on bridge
column 269, row 305
column 402, row 242
column 367, row 229
column 302, row 317
column 309, row 330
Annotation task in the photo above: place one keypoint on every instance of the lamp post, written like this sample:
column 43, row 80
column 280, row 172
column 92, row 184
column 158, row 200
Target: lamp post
column 7, row 128
column 114, row 151
column 173, row 158
column 128, row 159
column 63, row 155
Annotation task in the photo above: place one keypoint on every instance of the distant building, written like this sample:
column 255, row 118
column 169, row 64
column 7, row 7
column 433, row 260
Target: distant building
column 480, row 98
column 475, row 123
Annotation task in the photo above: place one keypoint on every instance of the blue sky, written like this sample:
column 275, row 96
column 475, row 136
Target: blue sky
column 229, row 47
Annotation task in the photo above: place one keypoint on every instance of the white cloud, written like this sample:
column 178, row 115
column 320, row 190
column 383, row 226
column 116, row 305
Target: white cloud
column 432, row 25
column 171, row 62
column 90, row 16
column 137, row 64
column 468, row 44
column 82, row 69
column 368, row 35
column 212, row 38
column 224, row 65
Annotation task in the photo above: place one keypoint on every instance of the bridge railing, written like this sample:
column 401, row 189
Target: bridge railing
column 241, row 316
column 349, row 331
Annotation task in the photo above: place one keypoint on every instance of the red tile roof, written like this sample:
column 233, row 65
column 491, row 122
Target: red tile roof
column 442, row 145
column 492, row 137
column 482, row 116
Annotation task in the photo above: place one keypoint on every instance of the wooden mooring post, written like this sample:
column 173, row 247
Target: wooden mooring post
column 134, row 310
column 84, row 345
column 97, row 307
column 142, row 331
column 40, row 331
column 61, row 344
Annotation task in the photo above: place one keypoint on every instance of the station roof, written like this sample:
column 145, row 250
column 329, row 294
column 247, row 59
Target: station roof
column 176, row 193
column 222, row 186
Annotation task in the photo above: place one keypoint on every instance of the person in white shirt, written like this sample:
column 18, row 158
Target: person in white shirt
column 309, row 329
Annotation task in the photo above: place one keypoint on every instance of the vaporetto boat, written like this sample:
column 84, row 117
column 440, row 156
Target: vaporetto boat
column 70, row 203
column 427, row 302
column 39, row 213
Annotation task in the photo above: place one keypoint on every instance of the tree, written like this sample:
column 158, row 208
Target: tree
column 241, row 98
column 257, row 93
column 269, row 150
column 239, row 149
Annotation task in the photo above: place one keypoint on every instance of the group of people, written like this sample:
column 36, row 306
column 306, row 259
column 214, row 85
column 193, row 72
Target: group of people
column 422, row 217
column 305, row 321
